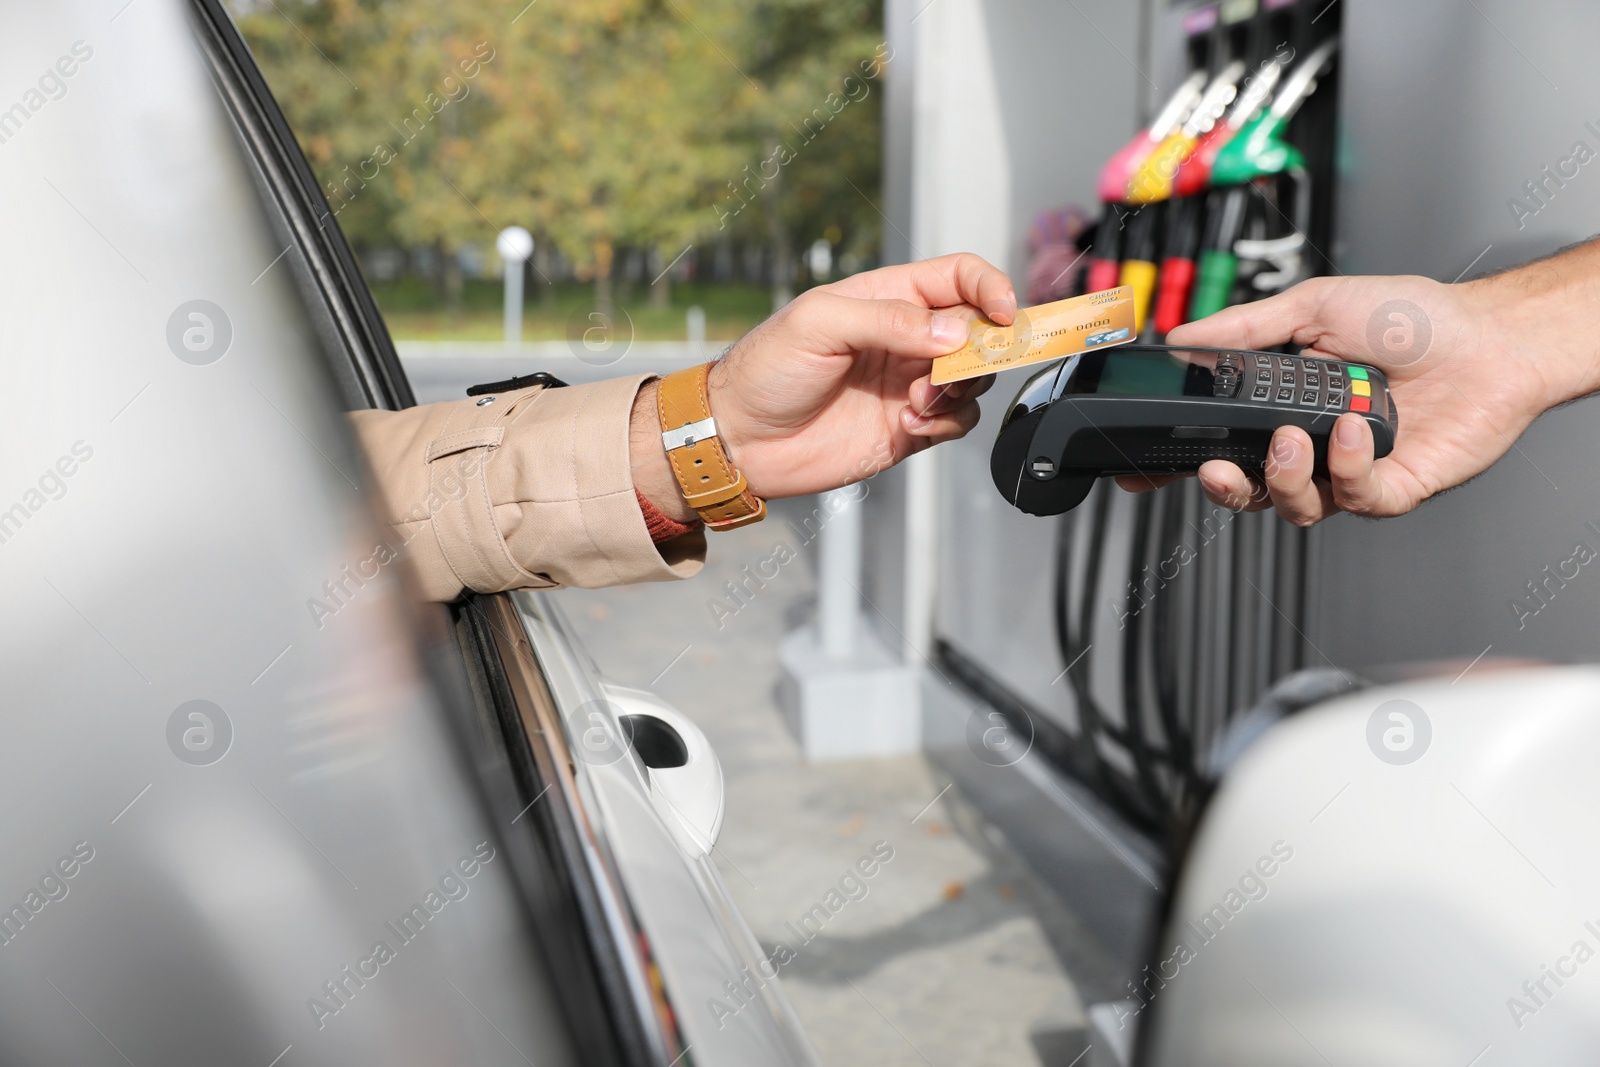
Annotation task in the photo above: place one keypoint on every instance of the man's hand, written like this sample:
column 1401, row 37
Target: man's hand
column 834, row 387
column 1465, row 365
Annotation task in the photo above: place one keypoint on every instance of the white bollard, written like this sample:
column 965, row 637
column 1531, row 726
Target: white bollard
column 922, row 555
column 839, row 575
column 697, row 330
column 515, row 245
column 846, row 692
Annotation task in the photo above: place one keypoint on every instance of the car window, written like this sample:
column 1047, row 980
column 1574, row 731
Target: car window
column 237, row 831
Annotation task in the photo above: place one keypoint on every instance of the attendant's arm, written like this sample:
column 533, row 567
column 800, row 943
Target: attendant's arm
column 1470, row 366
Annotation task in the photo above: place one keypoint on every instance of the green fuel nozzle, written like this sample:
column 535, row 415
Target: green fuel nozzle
column 1259, row 150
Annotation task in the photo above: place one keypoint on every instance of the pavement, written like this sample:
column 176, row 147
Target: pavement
column 944, row 957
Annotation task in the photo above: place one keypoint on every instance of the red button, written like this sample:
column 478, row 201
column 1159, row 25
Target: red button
column 1361, row 403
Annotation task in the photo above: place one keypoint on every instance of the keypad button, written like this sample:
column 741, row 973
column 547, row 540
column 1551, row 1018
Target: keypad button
column 1360, row 403
column 1309, row 396
column 1286, row 378
column 1357, row 373
column 1286, row 395
column 1361, row 388
column 1262, row 392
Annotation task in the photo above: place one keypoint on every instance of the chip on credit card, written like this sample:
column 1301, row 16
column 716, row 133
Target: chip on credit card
column 1040, row 334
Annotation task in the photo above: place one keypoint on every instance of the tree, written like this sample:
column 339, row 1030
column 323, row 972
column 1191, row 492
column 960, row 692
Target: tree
column 611, row 128
column 596, row 123
column 819, row 126
column 385, row 101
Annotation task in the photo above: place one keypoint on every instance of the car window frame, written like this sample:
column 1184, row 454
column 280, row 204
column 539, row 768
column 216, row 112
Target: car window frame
column 370, row 372
column 604, row 986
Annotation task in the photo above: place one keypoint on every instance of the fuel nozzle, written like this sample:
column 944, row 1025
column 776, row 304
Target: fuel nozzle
column 1259, row 149
column 1120, row 169
column 1195, row 174
column 1153, row 181
column 1303, row 82
column 1105, row 266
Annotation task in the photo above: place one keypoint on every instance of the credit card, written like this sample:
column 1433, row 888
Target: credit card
column 1040, row 334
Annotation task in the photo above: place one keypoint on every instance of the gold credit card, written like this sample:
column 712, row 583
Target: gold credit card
column 1046, row 332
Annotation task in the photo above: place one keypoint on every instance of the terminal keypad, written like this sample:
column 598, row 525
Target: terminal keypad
column 1303, row 382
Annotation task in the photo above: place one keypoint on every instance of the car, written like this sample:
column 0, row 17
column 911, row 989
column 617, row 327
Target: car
column 263, row 806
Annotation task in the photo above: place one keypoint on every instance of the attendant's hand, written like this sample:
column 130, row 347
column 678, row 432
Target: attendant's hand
column 1466, row 368
column 834, row 387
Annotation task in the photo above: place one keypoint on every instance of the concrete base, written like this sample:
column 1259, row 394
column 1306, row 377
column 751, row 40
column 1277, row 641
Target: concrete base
column 868, row 705
column 1058, row 1036
column 1110, row 1034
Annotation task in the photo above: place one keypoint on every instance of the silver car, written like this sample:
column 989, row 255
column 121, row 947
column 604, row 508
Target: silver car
column 261, row 808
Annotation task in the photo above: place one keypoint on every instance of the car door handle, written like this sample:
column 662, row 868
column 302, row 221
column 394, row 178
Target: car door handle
column 684, row 774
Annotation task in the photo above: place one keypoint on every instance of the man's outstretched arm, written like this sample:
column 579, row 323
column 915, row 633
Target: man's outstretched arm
column 542, row 487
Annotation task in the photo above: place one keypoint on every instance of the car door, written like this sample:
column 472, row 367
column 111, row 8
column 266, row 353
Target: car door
column 262, row 808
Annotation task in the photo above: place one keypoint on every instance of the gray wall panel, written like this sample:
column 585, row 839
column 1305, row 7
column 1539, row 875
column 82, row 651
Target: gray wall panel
column 1449, row 108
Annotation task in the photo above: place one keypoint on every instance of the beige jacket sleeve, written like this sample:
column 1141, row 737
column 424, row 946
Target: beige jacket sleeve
column 530, row 490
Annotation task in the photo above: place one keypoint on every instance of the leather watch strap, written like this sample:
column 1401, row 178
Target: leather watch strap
column 710, row 483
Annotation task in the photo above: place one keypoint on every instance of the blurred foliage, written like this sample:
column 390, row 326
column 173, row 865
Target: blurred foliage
column 594, row 123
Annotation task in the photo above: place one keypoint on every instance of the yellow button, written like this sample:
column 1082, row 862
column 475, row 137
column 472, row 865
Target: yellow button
column 1361, row 388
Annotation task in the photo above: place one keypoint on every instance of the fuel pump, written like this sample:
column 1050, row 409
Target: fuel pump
column 1260, row 160
column 1226, row 194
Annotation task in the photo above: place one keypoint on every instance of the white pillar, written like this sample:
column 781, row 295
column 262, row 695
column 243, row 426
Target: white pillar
column 515, row 245
column 922, row 554
column 839, row 575
column 846, row 691
column 696, row 325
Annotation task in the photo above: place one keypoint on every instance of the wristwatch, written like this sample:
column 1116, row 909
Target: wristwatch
column 709, row 481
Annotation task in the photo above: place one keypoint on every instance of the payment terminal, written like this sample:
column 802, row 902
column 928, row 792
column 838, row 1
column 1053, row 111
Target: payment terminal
column 1150, row 409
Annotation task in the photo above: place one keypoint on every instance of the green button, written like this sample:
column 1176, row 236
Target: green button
column 1358, row 373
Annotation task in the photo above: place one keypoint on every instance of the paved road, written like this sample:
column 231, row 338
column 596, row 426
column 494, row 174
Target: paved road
column 946, row 958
